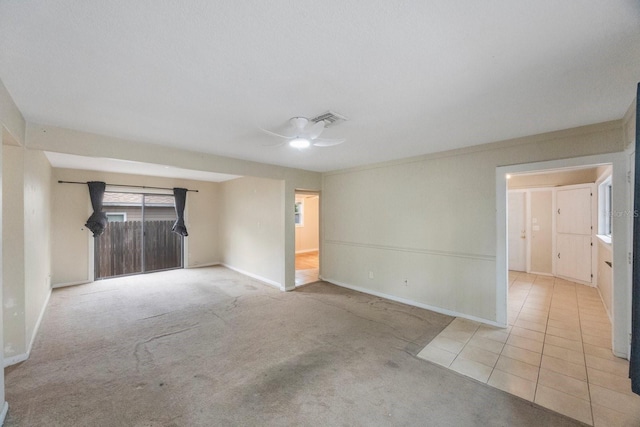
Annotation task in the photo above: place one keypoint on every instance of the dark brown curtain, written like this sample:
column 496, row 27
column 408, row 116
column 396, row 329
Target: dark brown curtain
column 180, row 195
column 97, row 222
column 634, row 365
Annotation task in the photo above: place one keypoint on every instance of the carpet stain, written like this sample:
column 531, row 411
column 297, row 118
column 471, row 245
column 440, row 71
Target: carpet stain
column 391, row 364
column 279, row 385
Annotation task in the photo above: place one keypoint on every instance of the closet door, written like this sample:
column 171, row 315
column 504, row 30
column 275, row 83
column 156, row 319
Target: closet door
column 573, row 233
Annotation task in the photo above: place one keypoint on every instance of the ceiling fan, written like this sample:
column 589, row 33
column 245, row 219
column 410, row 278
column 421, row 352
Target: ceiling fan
column 302, row 133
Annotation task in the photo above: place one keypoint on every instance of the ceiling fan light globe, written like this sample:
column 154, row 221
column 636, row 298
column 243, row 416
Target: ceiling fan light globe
column 299, row 143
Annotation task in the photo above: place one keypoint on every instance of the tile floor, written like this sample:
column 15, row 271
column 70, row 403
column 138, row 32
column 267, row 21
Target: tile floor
column 555, row 352
column 307, row 268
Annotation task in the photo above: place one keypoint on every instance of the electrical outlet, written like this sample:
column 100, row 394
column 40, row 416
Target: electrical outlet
column 371, row 275
column 406, row 282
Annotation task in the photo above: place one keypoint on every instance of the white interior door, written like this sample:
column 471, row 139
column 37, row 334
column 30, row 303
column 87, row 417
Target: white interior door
column 573, row 233
column 516, row 214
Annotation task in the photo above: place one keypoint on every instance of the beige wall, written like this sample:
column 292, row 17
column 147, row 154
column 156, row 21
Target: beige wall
column 307, row 235
column 252, row 222
column 37, row 238
column 26, row 247
column 629, row 124
column 13, row 213
column 56, row 139
column 541, row 236
column 61, row 140
column 11, row 119
column 431, row 220
column 71, row 207
column 12, row 131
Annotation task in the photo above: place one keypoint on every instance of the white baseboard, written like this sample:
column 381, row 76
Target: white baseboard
column 541, row 274
column 209, row 264
column 306, row 251
column 64, row 285
column 591, row 285
column 24, row 356
column 255, row 276
column 35, row 329
column 415, row 303
column 8, row 361
column 3, row 414
column 604, row 305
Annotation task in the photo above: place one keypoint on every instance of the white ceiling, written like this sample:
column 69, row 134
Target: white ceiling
column 413, row 77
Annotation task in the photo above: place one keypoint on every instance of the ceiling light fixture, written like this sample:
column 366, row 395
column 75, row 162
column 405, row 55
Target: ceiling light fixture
column 299, row 143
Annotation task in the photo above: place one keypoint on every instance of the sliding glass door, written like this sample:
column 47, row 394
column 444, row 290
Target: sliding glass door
column 138, row 238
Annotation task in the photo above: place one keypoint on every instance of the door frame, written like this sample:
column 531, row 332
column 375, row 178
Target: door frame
column 290, row 236
column 621, row 322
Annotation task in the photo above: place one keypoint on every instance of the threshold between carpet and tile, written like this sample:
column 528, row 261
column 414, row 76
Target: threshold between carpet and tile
column 555, row 352
column 307, row 268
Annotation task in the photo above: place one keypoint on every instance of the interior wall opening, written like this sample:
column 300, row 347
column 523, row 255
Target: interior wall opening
column 307, row 237
column 560, row 235
column 560, row 254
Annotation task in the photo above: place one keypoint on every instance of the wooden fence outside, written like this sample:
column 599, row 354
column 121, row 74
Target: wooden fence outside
column 119, row 249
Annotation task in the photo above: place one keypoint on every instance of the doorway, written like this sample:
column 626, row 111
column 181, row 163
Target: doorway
column 619, row 314
column 517, row 230
column 307, row 235
column 138, row 238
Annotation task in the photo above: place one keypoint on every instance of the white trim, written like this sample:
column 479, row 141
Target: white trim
column 528, row 230
column 574, row 280
column 124, row 215
column 414, row 303
column 209, row 264
column 64, row 285
column 306, row 251
column 3, row 414
column 604, row 239
column 37, row 326
column 605, row 305
column 255, row 276
column 480, row 257
column 8, row 361
column 629, row 196
column 537, row 273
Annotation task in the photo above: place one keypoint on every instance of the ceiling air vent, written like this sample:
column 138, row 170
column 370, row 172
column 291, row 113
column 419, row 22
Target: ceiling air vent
column 330, row 118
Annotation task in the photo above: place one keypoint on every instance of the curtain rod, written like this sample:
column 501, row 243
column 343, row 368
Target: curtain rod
column 123, row 185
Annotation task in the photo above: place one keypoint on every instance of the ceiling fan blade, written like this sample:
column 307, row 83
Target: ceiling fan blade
column 279, row 144
column 274, row 134
column 320, row 142
column 316, row 129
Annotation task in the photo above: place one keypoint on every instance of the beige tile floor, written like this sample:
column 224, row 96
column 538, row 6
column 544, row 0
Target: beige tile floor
column 307, row 268
column 304, row 277
column 555, row 352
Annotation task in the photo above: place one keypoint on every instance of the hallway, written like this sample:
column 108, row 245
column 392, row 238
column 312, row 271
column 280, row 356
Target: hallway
column 555, row 352
column 307, row 268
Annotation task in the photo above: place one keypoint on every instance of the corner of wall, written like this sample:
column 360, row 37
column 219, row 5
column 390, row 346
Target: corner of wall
column 629, row 125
